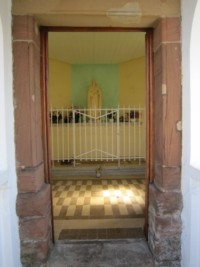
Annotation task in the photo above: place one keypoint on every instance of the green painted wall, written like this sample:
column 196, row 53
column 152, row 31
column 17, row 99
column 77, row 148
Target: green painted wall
column 106, row 77
column 122, row 84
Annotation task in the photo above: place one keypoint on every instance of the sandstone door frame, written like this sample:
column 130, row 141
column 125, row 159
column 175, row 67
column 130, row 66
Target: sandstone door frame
column 164, row 99
column 149, row 99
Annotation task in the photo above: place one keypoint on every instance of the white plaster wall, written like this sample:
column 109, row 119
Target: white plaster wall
column 191, row 133
column 9, row 233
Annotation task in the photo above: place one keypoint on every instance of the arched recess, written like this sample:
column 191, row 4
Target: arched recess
column 3, row 154
column 9, row 235
column 193, row 196
column 195, row 86
column 191, row 132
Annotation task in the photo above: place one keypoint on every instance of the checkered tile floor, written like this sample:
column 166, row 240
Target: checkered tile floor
column 98, row 199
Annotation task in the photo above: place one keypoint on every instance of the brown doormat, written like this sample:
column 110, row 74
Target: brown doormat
column 94, row 234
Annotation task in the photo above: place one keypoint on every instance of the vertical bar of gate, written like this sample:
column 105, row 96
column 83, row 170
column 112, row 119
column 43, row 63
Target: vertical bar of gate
column 95, row 125
column 91, row 133
column 134, row 135
column 101, row 132
column 144, row 131
column 139, row 133
column 63, row 139
column 124, row 122
column 85, row 126
column 52, row 139
column 112, row 137
column 107, row 134
column 129, row 133
column 68, row 123
column 74, row 136
column 118, row 138
column 57, row 135
column 80, row 135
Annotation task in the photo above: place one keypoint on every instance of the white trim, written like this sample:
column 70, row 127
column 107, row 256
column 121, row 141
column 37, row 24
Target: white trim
column 3, row 141
column 195, row 88
column 9, row 229
column 191, row 133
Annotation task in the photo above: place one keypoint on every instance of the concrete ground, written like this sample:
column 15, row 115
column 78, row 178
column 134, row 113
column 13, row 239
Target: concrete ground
column 101, row 253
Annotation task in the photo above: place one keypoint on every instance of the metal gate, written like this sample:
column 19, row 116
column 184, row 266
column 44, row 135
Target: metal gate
column 98, row 134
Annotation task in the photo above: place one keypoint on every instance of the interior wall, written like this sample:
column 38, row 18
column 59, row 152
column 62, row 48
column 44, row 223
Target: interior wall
column 132, row 83
column 59, row 84
column 122, row 84
column 106, row 77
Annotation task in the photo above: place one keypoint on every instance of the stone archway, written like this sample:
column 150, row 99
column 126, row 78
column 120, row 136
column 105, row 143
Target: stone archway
column 34, row 200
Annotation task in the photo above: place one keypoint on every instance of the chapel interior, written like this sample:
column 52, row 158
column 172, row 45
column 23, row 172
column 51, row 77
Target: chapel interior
column 97, row 133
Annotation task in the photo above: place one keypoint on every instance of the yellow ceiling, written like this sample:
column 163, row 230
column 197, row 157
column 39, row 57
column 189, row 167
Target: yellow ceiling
column 96, row 47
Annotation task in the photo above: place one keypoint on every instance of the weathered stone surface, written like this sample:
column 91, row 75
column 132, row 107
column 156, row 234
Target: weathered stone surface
column 171, row 106
column 28, row 129
column 165, row 249
column 164, row 203
column 167, row 30
column 167, row 264
column 167, row 72
column 33, row 202
column 30, row 180
column 25, row 29
column 168, row 177
column 35, row 253
column 118, row 253
column 35, row 228
column 37, row 204
column 164, row 226
column 167, row 105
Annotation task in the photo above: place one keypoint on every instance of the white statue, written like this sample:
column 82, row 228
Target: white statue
column 94, row 100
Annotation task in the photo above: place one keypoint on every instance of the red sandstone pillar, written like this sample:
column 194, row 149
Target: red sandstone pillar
column 33, row 203
column 165, row 201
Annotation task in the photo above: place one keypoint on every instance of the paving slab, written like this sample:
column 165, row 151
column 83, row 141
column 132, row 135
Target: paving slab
column 101, row 253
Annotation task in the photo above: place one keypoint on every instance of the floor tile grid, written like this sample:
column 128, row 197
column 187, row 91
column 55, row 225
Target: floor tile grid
column 84, row 199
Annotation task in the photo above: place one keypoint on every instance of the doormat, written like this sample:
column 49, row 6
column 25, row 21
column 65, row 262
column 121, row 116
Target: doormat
column 94, row 234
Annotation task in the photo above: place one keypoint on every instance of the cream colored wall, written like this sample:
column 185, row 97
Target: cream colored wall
column 59, row 84
column 132, row 83
column 131, row 90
